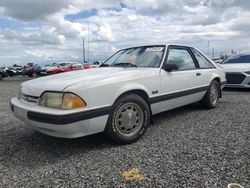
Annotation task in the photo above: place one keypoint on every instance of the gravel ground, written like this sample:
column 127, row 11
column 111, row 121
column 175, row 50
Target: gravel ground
column 186, row 147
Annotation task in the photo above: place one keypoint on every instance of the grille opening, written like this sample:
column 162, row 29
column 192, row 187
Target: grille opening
column 29, row 98
column 235, row 78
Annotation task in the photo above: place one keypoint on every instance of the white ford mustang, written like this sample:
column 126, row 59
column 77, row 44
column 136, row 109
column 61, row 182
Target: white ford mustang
column 121, row 96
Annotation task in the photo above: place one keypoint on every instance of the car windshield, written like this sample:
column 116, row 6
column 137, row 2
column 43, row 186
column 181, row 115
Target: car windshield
column 146, row 56
column 237, row 59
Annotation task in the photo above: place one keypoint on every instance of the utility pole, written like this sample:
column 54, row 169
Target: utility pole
column 212, row 52
column 207, row 48
column 83, row 50
column 88, row 42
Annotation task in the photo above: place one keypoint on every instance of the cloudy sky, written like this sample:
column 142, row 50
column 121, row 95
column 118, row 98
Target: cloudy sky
column 52, row 31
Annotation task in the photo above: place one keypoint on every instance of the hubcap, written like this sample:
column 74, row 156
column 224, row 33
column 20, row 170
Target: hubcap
column 129, row 119
column 214, row 94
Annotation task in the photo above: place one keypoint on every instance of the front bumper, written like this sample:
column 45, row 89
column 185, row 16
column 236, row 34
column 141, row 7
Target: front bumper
column 61, row 123
column 238, row 80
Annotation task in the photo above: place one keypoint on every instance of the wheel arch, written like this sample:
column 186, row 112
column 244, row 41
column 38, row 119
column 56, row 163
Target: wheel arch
column 140, row 92
column 143, row 94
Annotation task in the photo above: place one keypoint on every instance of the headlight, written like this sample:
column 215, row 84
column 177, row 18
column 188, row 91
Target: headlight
column 66, row 101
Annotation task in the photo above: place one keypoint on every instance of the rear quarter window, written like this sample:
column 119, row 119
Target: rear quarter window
column 203, row 62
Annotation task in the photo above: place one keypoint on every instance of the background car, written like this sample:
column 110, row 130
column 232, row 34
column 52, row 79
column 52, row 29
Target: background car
column 18, row 68
column 91, row 65
column 76, row 66
column 237, row 70
column 3, row 73
column 28, row 70
column 40, row 70
column 63, row 67
column 11, row 71
column 53, row 69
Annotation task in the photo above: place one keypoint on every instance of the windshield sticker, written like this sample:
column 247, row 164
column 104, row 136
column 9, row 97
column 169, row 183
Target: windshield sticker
column 155, row 49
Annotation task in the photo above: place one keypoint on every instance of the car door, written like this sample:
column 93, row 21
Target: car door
column 178, row 87
column 206, row 68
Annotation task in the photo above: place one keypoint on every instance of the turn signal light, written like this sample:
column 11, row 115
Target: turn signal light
column 72, row 101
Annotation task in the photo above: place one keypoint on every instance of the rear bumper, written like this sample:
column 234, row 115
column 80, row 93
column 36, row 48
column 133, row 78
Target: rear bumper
column 61, row 123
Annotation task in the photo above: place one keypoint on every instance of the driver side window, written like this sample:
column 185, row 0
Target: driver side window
column 181, row 58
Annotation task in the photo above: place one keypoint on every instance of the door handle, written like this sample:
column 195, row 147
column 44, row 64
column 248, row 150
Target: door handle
column 198, row 74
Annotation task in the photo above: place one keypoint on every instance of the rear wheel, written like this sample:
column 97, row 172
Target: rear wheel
column 211, row 98
column 1, row 76
column 128, row 119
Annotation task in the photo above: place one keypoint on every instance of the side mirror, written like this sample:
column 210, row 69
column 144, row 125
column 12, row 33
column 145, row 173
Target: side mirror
column 169, row 67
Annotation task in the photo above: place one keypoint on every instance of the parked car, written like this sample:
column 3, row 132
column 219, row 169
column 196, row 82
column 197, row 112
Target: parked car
column 29, row 70
column 87, row 66
column 121, row 96
column 96, row 64
column 76, row 66
column 40, row 70
column 3, row 73
column 18, row 68
column 53, row 69
column 64, row 67
column 237, row 70
column 11, row 71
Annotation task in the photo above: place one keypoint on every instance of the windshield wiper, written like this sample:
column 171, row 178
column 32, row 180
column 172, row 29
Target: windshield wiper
column 125, row 64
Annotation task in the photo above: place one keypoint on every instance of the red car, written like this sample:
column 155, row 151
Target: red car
column 89, row 66
column 64, row 67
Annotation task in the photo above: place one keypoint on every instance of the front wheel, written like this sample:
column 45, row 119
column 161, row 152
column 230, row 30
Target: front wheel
column 128, row 119
column 211, row 98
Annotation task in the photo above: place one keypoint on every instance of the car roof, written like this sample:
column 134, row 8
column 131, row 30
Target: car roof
column 158, row 44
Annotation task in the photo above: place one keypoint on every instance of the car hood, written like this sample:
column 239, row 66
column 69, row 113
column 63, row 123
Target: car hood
column 86, row 78
column 239, row 67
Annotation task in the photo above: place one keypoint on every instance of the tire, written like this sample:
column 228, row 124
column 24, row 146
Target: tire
column 128, row 120
column 34, row 74
column 1, row 76
column 30, row 74
column 11, row 74
column 212, row 95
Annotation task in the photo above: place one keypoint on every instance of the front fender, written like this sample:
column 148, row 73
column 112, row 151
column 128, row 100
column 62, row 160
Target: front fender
column 130, row 87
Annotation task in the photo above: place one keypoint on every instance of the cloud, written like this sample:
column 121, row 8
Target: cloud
column 46, row 36
column 46, row 32
column 28, row 10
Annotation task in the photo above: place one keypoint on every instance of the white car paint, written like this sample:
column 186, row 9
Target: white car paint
column 101, row 87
